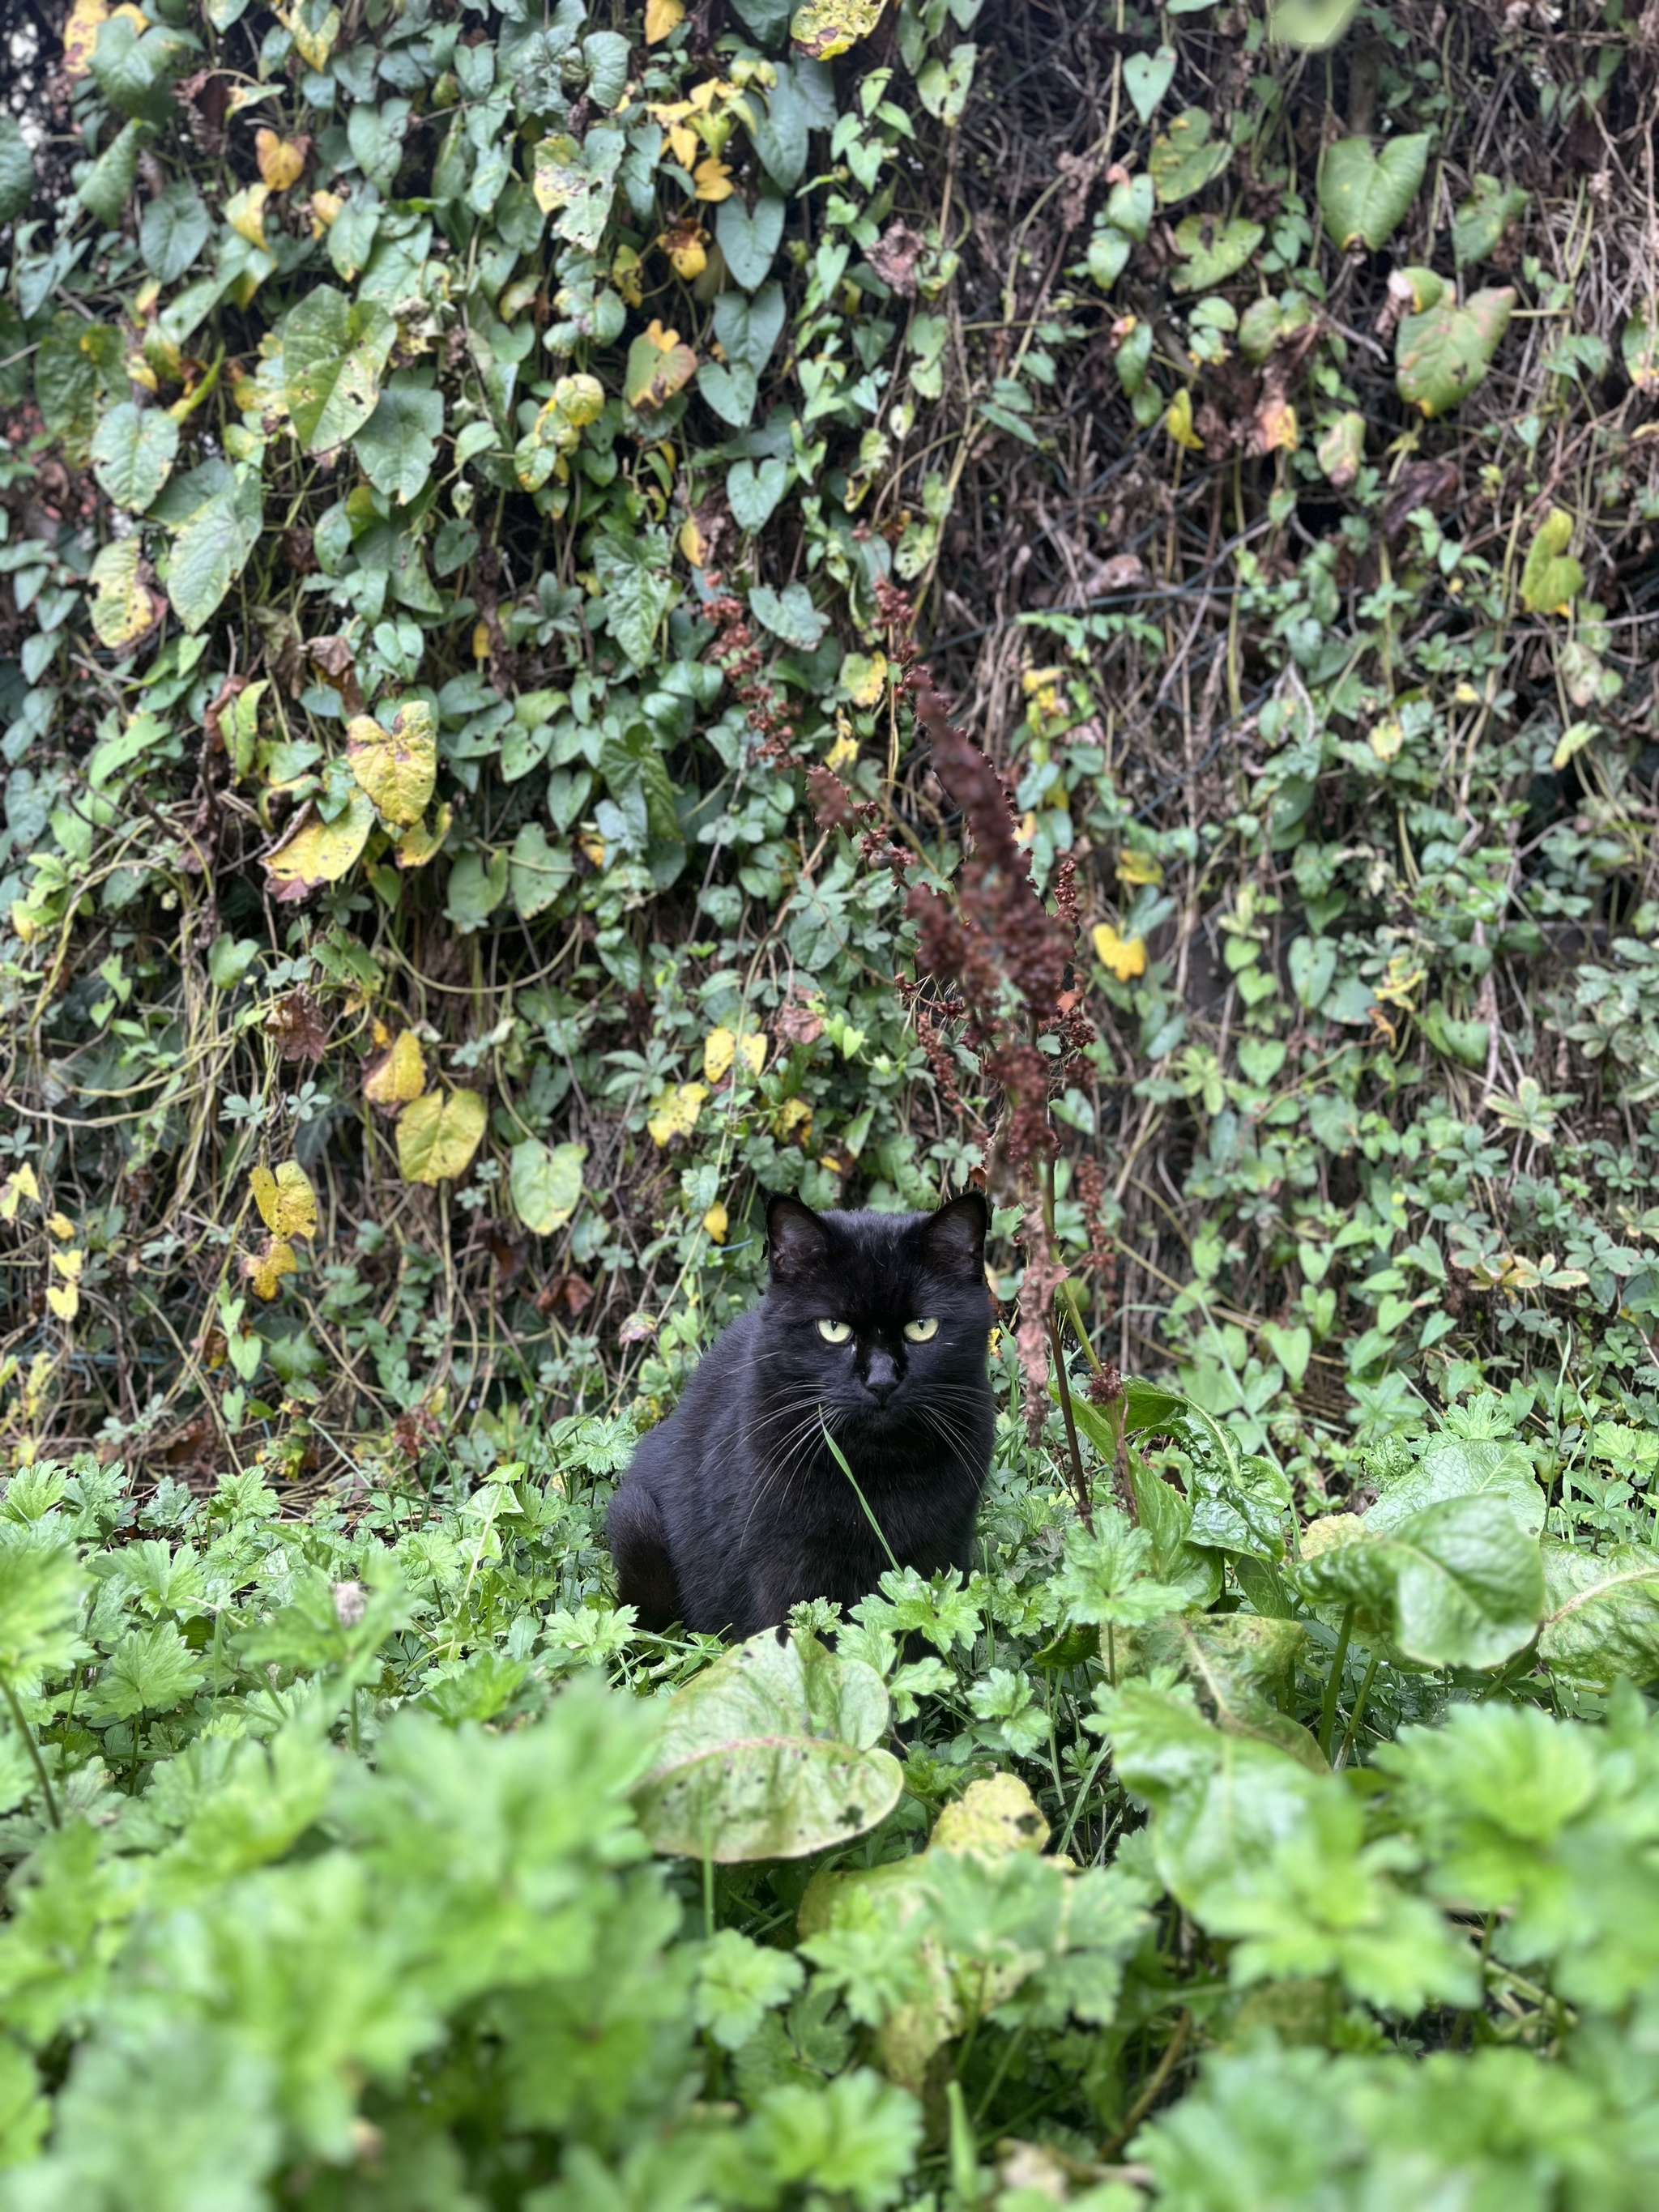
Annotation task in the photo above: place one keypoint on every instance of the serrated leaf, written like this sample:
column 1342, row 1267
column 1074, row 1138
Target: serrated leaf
column 546, row 1183
column 322, row 852
column 1186, row 159
column 438, row 1133
column 1365, row 196
column 770, row 1755
column 133, row 451
column 333, row 351
column 399, row 1075
column 398, row 766
column 286, row 1201
column 1442, row 355
column 150, row 1670
column 40, row 1590
column 1552, row 580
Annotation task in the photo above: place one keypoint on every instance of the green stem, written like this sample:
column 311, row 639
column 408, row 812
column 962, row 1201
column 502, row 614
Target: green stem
column 1327, row 1716
column 839, row 1458
column 1082, row 1795
column 1359, row 1711
column 33, row 1748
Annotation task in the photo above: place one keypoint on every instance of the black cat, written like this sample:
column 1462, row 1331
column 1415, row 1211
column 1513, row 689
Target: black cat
column 874, row 1326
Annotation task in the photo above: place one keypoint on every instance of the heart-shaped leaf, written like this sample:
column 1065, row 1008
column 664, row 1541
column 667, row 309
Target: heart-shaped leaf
column 322, row 852
column 789, row 614
column 1146, row 78
column 438, row 1134
column 749, row 242
column 133, row 452
column 17, row 171
column 1442, row 355
column 730, row 389
column 770, row 1755
column 1341, row 449
column 1482, row 219
column 1186, row 159
column 1363, row 195
column 752, row 494
column 1291, row 1348
column 536, row 871
column 1310, row 26
column 1212, row 252
column 658, row 366
column 1312, row 963
column 546, row 1183
column 1551, row 578
column 397, row 767
column 333, row 351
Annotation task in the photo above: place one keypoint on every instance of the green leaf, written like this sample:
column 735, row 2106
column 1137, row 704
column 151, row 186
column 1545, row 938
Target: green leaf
column 174, row 228
column 1552, row 580
column 476, row 887
column 789, row 614
column 770, row 1755
column 1441, row 357
column 133, row 451
column 333, row 351
column 730, row 392
column 1365, row 196
column 1456, row 1585
column 1310, row 25
column 779, row 132
column 768, row 19
column 546, row 1185
column 213, row 544
column 753, row 494
column 749, row 242
column 1479, row 225
column 1601, row 1614
column 40, row 1589
column 1639, row 346
column 1146, row 78
column 438, row 1134
column 605, row 53
column 150, row 1670
column 738, row 1982
column 17, row 171
column 1212, row 252
column 1456, row 1467
column 107, row 186
column 398, row 443
column 538, row 872
column 1186, row 159
column 639, row 589
column 747, row 329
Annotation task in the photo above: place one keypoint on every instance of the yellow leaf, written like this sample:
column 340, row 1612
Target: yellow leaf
column 711, row 179
column 824, row 28
column 121, row 606
column 579, row 399
column 399, row 1076
column 245, row 213
column 1125, row 956
column 18, row 1184
column 324, row 211
column 1138, row 868
column 841, row 754
column 70, row 1264
column 677, row 1112
column 398, row 768
column 661, row 16
column 693, row 543
column 1573, row 739
column 793, row 1119
column 86, row 19
column 863, row 679
column 591, row 848
column 481, row 640
column 682, row 144
column 720, row 1049
column 322, row 852
column 438, row 1134
column 314, row 46
column 282, row 161
column 1178, row 422
column 715, row 1221
column 63, row 1299
column 417, row 845
column 264, row 1269
column 59, row 1224
column 1387, row 736
column 286, row 1203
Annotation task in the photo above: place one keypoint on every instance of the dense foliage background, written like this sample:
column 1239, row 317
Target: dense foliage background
column 477, row 479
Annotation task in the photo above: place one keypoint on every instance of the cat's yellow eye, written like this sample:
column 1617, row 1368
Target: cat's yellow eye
column 921, row 1331
column 835, row 1331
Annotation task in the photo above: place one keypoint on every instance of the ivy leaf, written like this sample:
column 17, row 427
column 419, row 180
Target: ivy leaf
column 546, row 1185
column 150, row 1670
column 1552, row 580
column 753, row 494
column 398, row 766
column 286, row 1201
column 639, row 589
column 789, row 614
column 17, row 171
column 1441, row 357
column 1185, row 159
column 749, row 242
column 322, row 852
column 133, row 451
column 1365, row 196
column 333, row 351
column 398, row 443
column 438, row 1133
column 174, row 229
column 770, row 1755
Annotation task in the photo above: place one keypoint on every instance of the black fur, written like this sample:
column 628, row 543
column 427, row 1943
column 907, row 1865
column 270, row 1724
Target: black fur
column 735, row 1510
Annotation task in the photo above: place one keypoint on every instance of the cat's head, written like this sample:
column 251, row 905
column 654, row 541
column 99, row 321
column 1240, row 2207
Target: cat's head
column 880, row 1314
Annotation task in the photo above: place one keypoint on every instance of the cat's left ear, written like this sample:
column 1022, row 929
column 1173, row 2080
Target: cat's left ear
column 955, row 1235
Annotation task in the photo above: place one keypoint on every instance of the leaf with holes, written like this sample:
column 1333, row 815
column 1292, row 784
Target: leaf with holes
column 1186, row 158
column 286, row 1201
column 333, row 351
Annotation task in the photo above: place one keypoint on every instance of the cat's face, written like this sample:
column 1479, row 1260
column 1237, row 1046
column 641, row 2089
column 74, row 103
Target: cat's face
column 878, row 1317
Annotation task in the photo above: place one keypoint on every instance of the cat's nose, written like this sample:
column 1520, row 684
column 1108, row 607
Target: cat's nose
column 881, row 1376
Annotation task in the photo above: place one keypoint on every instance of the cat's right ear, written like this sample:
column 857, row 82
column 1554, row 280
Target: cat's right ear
column 796, row 1241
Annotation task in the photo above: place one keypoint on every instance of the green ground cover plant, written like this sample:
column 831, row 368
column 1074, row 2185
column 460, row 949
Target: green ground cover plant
column 489, row 494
